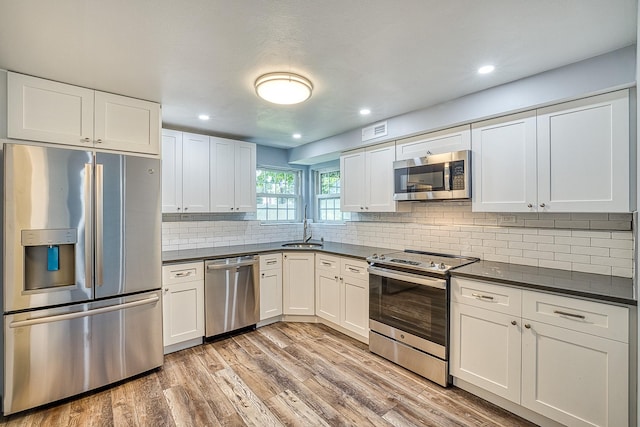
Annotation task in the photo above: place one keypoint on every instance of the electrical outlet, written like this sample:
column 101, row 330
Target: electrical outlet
column 508, row 219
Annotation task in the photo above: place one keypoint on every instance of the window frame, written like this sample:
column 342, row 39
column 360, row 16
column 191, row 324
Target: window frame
column 296, row 197
column 318, row 196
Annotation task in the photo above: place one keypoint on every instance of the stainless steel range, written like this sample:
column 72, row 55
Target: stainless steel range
column 409, row 310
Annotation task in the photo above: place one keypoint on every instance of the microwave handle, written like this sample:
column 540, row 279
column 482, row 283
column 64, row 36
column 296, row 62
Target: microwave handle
column 447, row 176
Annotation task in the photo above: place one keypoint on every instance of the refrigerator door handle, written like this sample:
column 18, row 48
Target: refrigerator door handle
column 99, row 223
column 67, row 316
column 88, row 225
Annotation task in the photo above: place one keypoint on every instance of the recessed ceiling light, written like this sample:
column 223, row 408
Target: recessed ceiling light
column 365, row 111
column 204, row 117
column 283, row 88
column 296, row 136
column 486, row 69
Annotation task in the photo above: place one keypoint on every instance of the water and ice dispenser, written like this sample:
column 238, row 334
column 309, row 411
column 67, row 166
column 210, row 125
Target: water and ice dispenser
column 49, row 258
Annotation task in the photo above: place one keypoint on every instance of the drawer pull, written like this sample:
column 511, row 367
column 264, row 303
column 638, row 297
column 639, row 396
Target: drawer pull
column 480, row 296
column 183, row 274
column 564, row 313
column 354, row 270
column 326, row 264
column 273, row 261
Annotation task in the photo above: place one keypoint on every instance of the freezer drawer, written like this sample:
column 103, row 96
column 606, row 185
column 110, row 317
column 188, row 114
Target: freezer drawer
column 56, row 353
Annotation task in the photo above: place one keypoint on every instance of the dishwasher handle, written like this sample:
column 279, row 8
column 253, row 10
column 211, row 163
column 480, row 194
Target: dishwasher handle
column 230, row 266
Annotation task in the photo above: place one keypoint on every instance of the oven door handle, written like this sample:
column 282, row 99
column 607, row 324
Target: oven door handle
column 408, row 277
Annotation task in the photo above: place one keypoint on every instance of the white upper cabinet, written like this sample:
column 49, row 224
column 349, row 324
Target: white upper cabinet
column 445, row 141
column 583, row 155
column 185, row 172
column 233, row 176
column 367, row 179
column 504, row 164
column 571, row 157
column 48, row 111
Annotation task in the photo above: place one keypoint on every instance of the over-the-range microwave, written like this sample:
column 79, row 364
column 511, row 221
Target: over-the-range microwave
column 433, row 177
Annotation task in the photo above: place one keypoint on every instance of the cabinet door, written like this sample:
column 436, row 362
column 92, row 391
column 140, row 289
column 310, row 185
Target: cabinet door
column 126, row 124
column 183, row 312
column 171, row 171
column 298, row 283
column 195, row 173
column 504, row 164
column 574, row 378
column 486, row 349
column 270, row 293
column 352, row 181
column 245, row 177
column 379, row 178
column 355, row 305
column 583, row 155
column 328, row 296
column 42, row 110
column 222, row 185
column 444, row 141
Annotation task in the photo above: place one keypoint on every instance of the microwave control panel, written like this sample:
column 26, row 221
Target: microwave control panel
column 457, row 175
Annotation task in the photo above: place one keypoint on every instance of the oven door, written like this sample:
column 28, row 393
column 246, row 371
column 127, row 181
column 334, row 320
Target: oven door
column 411, row 303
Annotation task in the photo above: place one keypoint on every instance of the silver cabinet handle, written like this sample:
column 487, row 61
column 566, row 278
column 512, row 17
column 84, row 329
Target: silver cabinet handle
column 480, row 296
column 326, row 264
column 514, row 323
column 528, row 326
column 230, row 266
column 354, row 270
column 564, row 313
column 183, row 274
column 529, row 205
column 76, row 314
column 542, row 205
column 272, row 262
column 99, row 223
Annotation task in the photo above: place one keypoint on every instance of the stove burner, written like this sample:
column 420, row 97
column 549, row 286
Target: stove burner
column 405, row 261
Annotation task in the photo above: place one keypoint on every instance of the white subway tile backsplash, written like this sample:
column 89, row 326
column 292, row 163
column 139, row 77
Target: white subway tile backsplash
column 538, row 239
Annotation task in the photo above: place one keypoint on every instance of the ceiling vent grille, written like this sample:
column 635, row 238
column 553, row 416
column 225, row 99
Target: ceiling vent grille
column 374, row 131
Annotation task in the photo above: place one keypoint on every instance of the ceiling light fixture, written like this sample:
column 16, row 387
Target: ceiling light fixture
column 486, row 69
column 283, row 88
column 204, row 117
column 296, row 136
column 365, row 111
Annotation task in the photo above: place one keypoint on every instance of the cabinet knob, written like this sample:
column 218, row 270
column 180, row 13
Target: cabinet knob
column 335, row 277
column 166, row 289
column 237, row 209
column 529, row 205
column 86, row 140
column 528, row 326
column 367, row 207
column 361, row 208
column 542, row 205
column 231, row 208
column 186, row 208
column 262, row 274
column 178, row 208
column 99, row 141
column 514, row 323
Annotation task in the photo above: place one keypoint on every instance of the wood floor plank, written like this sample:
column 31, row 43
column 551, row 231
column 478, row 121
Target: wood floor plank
column 294, row 374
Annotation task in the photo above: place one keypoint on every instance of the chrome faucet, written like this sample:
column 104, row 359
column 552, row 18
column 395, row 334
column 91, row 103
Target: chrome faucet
column 305, row 227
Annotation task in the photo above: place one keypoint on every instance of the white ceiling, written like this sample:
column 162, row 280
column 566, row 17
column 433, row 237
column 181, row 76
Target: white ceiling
column 392, row 56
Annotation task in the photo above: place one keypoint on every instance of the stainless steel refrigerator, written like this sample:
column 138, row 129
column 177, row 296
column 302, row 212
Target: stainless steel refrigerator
column 81, row 271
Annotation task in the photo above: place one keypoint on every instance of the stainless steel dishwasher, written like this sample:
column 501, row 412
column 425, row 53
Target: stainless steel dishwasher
column 231, row 293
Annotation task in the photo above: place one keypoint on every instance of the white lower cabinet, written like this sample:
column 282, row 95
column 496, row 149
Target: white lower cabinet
column 564, row 358
column 270, row 285
column 298, row 288
column 182, row 305
column 342, row 293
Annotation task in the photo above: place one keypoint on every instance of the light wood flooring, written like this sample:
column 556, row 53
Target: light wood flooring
column 294, row 374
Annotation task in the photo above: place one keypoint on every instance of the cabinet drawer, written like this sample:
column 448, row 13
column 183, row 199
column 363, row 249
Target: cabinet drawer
column 502, row 299
column 180, row 273
column 595, row 318
column 328, row 263
column 270, row 262
column 355, row 268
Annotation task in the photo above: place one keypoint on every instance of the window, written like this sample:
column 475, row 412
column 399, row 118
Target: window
column 328, row 196
column 278, row 194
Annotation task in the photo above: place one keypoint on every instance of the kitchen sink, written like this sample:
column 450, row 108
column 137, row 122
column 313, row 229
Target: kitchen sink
column 302, row 245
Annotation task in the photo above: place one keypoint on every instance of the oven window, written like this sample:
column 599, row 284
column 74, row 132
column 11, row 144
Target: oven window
column 420, row 178
column 417, row 309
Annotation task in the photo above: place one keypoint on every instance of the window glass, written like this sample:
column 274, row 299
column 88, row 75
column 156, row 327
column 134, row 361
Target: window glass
column 278, row 195
column 328, row 196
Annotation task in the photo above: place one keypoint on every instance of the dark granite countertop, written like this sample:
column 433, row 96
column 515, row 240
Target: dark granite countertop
column 586, row 285
column 342, row 249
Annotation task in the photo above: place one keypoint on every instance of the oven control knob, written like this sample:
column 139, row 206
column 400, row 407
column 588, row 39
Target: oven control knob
column 374, row 256
column 432, row 264
column 442, row 266
column 382, row 256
